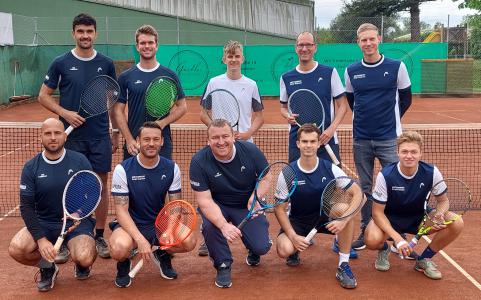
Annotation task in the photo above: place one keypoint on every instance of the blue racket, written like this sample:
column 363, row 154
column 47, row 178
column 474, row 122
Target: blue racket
column 274, row 186
column 81, row 197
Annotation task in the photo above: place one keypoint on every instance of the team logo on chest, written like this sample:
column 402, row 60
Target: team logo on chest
column 295, row 82
column 138, row 177
column 359, row 76
column 138, row 81
column 73, row 68
column 217, row 175
column 398, row 188
column 99, row 69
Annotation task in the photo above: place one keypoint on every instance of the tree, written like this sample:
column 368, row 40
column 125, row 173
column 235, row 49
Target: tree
column 391, row 8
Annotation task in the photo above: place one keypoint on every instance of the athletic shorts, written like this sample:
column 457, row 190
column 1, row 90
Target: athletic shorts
column 148, row 231
column 303, row 227
column 52, row 229
column 98, row 152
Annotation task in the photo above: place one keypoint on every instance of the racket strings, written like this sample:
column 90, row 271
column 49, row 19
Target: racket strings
column 338, row 201
column 221, row 104
column 175, row 223
column 454, row 200
column 99, row 96
column 280, row 183
column 82, row 195
column 160, row 96
column 308, row 106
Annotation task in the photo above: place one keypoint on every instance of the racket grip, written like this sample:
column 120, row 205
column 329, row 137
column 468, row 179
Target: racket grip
column 69, row 130
column 332, row 155
column 137, row 268
column 311, row 235
column 242, row 224
column 58, row 243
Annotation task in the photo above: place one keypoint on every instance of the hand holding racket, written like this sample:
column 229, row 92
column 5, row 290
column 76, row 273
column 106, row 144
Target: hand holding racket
column 81, row 197
column 274, row 186
column 98, row 97
column 306, row 106
column 448, row 201
column 222, row 104
column 341, row 199
column 173, row 225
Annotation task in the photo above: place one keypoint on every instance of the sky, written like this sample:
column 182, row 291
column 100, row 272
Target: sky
column 431, row 12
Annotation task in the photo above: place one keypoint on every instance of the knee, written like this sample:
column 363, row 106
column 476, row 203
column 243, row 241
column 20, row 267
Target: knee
column 261, row 249
column 85, row 256
column 119, row 248
column 372, row 241
column 190, row 243
column 15, row 250
column 458, row 225
column 284, row 250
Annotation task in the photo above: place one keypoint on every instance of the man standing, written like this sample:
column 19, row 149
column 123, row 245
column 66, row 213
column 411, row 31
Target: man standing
column 42, row 183
column 223, row 176
column 71, row 72
column 324, row 81
column 379, row 93
column 139, row 186
column 133, row 84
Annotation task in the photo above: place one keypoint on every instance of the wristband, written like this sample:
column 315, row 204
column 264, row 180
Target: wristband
column 115, row 130
column 401, row 243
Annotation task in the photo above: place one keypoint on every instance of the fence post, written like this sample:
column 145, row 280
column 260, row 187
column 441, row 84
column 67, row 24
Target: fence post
column 106, row 30
column 382, row 28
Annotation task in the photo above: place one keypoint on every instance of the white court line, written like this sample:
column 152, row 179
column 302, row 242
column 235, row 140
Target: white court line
column 9, row 213
column 457, row 266
column 454, row 118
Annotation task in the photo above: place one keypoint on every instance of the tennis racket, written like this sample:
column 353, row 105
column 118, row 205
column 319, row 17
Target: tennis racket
column 81, row 197
column 174, row 223
column 98, row 97
column 448, row 200
column 222, row 104
column 160, row 96
column 274, row 186
column 309, row 108
column 342, row 198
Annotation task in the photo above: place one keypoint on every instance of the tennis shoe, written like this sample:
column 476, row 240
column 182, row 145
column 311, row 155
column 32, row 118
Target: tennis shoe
column 81, row 273
column 63, row 255
column 382, row 261
column 252, row 259
column 223, row 278
column 123, row 280
column 428, row 267
column 345, row 276
column 47, row 278
column 293, row 260
column 203, row 251
column 335, row 248
column 163, row 260
column 358, row 244
column 102, row 247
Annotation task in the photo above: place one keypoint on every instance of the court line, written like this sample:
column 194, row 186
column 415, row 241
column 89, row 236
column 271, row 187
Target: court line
column 454, row 118
column 457, row 266
column 9, row 213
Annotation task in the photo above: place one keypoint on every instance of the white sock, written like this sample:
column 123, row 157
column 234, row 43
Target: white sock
column 343, row 257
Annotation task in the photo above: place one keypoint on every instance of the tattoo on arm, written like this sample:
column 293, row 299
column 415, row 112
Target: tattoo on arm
column 121, row 200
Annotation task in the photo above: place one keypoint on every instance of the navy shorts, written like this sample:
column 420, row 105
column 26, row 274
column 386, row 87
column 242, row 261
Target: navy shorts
column 148, row 231
column 52, row 229
column 405, row 225
column 98, row 152
column 303, row 227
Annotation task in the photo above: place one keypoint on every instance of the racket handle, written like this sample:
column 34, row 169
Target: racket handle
column 243, row 223
column 58, row 243
column 69, row 130
column 311, row 235
column 332, row 155
column 137, row 268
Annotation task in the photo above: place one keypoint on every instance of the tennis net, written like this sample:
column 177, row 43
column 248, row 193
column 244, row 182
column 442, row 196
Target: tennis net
column 454, row 148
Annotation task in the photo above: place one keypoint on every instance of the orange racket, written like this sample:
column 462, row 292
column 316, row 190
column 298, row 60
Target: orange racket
column 173, row 225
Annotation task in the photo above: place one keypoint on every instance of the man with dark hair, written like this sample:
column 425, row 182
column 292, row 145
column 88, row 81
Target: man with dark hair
column 70, row 73
column 133, row 84
column 42, row 183
column 139, row 186
column 223, row 176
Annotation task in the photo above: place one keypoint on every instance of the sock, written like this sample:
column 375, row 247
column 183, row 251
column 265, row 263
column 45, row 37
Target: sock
column 343, row 257
column 385, row 246
column 428, row 253
column 44, row 264
column 99, row 233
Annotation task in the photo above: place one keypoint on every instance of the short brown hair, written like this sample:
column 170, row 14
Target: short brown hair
column 366, row 27
column 149, row 124
column 308, row 128
column 410, row 137
column 231, row 46
column 146, row 29
column 219, row 123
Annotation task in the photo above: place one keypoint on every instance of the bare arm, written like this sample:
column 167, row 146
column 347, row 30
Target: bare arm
column 204, row 117
column 383, row 223
column 291, row 118
column 212, row 212
column 298, row 241
column 178, row 110
column 45, row 98
column 257, row 121
column 119, row 116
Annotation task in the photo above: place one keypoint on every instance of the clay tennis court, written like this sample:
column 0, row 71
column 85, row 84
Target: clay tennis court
column 313, row 279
